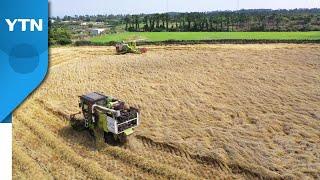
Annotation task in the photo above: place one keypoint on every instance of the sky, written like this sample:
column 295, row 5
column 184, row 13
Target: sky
column 94, row 7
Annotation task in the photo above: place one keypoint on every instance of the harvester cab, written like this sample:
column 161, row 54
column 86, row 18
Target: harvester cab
column 108, row 114
column 130, row 47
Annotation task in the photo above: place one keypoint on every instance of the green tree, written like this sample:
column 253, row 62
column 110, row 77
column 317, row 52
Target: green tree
column 59, row 36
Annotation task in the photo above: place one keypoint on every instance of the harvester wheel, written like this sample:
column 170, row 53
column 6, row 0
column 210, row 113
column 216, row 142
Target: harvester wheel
column 91, row 132
column 76, row 124
column 109, row 138
column 122, row 138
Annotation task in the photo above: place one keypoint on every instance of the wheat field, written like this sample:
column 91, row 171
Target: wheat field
column 207, row 112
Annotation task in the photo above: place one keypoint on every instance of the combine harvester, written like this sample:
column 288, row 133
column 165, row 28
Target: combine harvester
column 124, row 48
column 105, row 115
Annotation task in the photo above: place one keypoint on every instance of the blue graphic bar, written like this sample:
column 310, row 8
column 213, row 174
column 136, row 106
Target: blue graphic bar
column 8, row 119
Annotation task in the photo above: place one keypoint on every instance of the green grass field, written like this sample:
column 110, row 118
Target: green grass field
column 164, row 36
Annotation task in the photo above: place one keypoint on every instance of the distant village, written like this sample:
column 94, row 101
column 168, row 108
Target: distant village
column 83, row 29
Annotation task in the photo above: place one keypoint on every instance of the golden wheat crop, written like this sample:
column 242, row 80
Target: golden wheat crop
column 208, row 111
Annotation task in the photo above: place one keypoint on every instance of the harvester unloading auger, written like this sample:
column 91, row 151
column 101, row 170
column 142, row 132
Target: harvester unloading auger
column 131, row 47
column 107, row 115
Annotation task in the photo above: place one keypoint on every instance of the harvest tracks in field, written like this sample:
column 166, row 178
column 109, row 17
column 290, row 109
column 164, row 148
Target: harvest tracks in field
column 146, row 165
column 206, row 160
column 227, row 111
column 151, row 145
column 130, row 158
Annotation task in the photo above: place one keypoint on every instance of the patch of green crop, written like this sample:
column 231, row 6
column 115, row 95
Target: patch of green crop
column 164, row 36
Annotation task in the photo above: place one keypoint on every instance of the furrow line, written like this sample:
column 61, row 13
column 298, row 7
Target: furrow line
column 92, row 168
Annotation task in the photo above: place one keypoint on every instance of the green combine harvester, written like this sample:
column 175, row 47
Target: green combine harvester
column 107, row 115
column 131, row 47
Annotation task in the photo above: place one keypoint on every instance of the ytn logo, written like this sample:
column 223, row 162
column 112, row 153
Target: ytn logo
column 33, row 24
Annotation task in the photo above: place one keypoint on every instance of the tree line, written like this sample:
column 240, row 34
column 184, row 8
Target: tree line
column 225, row 21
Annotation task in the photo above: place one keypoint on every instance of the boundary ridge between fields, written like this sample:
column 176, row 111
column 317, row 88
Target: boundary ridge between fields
column 190, row 42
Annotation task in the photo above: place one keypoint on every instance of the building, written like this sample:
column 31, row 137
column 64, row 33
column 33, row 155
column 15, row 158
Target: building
column 99, row 23
column 96, row 32
column 84, row 24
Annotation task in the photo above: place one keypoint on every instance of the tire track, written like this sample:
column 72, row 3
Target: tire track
column 148, row 165
column 147, row 142
column 44, row 155
column 188, row 165
column 92, row 168
column 26, row 164
column 222, row 166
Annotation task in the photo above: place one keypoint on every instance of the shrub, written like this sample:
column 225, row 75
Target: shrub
column 59, row 36
column 83, row 43
column 64, row 41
